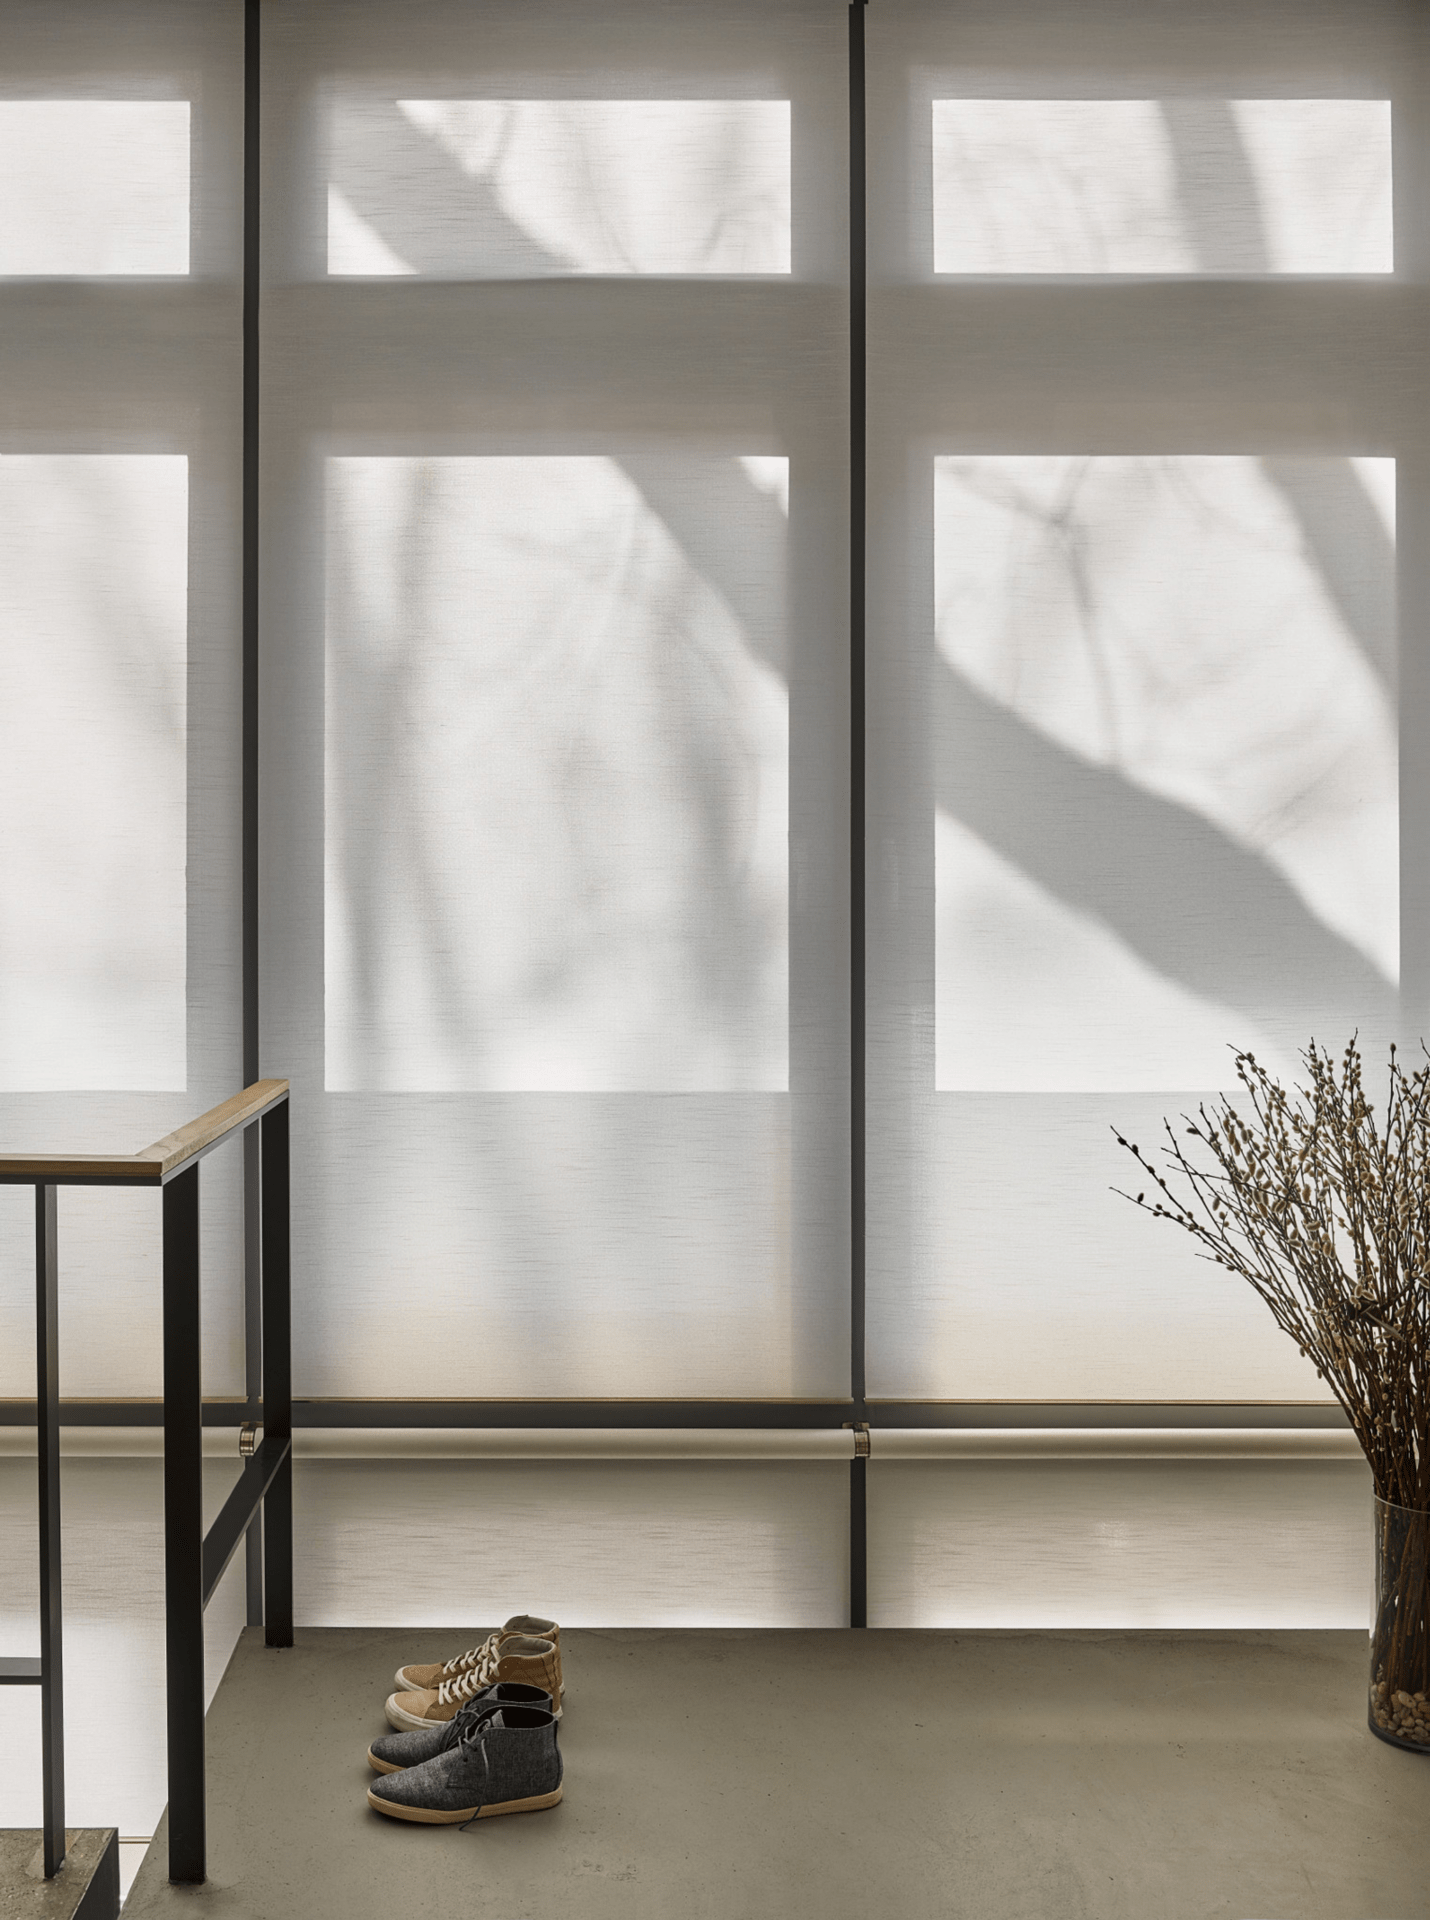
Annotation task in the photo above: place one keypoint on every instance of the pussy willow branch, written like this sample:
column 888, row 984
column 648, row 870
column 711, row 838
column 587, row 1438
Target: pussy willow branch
column 1325, row 1211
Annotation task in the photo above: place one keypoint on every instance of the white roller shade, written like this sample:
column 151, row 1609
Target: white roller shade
column 1144, row 680
column 119, row 662
column 555, row 355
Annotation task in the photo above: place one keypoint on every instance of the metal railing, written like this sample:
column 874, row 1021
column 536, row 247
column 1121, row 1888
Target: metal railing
column 194, row 1562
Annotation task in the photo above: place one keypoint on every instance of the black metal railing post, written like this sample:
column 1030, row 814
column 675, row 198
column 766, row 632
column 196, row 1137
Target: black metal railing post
column 184, row 1528
column 194, row 1561
column 277, row 1378
column 47, row 1436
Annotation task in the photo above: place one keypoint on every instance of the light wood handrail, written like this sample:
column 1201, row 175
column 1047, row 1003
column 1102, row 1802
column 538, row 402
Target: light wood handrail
column 152, row 1165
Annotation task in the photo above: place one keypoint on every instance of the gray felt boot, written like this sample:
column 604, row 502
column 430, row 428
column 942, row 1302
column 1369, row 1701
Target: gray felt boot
column 504, row 1760
column 397, row 1750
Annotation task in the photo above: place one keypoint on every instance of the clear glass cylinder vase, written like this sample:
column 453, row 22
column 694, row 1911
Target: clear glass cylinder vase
column 1400, row 1628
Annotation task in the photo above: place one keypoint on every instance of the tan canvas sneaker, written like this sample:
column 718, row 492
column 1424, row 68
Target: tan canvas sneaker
column 516, row 1656
column 426, row 1679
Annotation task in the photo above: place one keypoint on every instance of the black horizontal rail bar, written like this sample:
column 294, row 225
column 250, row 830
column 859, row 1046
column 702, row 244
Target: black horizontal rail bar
column 20, row 1671
column 693, row 1414
column 713, row 1414
column 222, row 1539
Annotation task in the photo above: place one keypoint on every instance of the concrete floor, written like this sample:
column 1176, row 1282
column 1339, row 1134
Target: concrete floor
column 85, row 1888
column 839, row 1776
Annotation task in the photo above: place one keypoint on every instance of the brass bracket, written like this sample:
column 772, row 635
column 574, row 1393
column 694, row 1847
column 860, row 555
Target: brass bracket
column 247, row 1441
column 860, row 1430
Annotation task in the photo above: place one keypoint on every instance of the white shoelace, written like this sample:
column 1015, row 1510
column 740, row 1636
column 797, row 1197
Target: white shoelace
column 485, row 1660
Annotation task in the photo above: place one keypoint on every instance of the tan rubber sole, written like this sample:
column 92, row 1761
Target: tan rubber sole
column 381, row 1766
column 424, row 1816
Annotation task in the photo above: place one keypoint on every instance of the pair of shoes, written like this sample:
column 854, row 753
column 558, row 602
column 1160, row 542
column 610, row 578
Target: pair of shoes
column 526, row 1651
column 476, row 1734
column 493, row 1756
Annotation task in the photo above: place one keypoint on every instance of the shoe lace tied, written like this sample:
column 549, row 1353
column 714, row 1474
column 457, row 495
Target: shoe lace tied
column 484, row 1659
column 473, row 1734
column 467, row 1724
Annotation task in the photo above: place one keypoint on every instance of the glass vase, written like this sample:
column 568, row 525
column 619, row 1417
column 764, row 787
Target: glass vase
column 1400, row 1628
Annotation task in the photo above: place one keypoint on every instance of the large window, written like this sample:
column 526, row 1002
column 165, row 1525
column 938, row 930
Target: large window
column 561, row 712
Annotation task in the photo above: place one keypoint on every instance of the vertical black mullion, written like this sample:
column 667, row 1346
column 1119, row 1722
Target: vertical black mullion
column 858, row 287
column 250, row 539
column 277, row 1379
column 184, row 1529
column 47, row 1434
column 252, row 1246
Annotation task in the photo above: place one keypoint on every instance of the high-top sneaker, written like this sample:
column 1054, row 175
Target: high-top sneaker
column 536, row 1663
column 394, row 1751
column 417, row 1678
column 502, row 1760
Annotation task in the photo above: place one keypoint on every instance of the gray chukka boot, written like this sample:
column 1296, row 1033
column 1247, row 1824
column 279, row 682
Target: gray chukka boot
column 397, row 1750
column 503, row 1760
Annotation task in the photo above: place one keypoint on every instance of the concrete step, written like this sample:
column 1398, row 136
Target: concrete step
column 85, row 1888
column 837, row 1776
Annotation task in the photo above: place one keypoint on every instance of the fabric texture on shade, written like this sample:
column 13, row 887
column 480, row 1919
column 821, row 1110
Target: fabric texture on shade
column 1122, row 1546
column 1166, row 620
column 555, row 908
column 1129, row 186
column 119, row 679
column 1136, row 685
column 549, row 187
column 94, row 186
column 94, row 559
column 557, row 813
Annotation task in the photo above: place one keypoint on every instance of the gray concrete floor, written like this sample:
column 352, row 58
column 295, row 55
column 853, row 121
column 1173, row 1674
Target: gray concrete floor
column 87, row 1883
column 839, row 1776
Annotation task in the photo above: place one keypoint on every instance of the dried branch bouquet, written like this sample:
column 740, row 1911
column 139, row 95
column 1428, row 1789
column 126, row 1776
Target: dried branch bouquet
column 1324, row 1207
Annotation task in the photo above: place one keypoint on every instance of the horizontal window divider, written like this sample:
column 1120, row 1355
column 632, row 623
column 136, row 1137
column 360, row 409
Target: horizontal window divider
column 712, row 1414
column 1093, row 1414
column 593, row 1439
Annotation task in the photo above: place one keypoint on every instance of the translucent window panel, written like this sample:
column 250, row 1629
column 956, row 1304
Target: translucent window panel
column 520, row 189
column 1162, row 186
column 1050, row 1545
column 1165, row 682
column 599, row 1543
column 94, row 186
column 557, row 786
column 93, row 808
column 587, row 1245
column 1036, row 1281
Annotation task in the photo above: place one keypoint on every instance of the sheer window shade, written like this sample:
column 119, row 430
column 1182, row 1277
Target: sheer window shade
column 528, row 188
column 1136, row 686
column 557, row 783
column 119, row 671
column 555, row 360
column 94, row 186
column 1142, row 186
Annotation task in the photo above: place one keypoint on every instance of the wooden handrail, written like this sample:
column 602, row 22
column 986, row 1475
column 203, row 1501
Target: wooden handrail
column 153, row 1165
